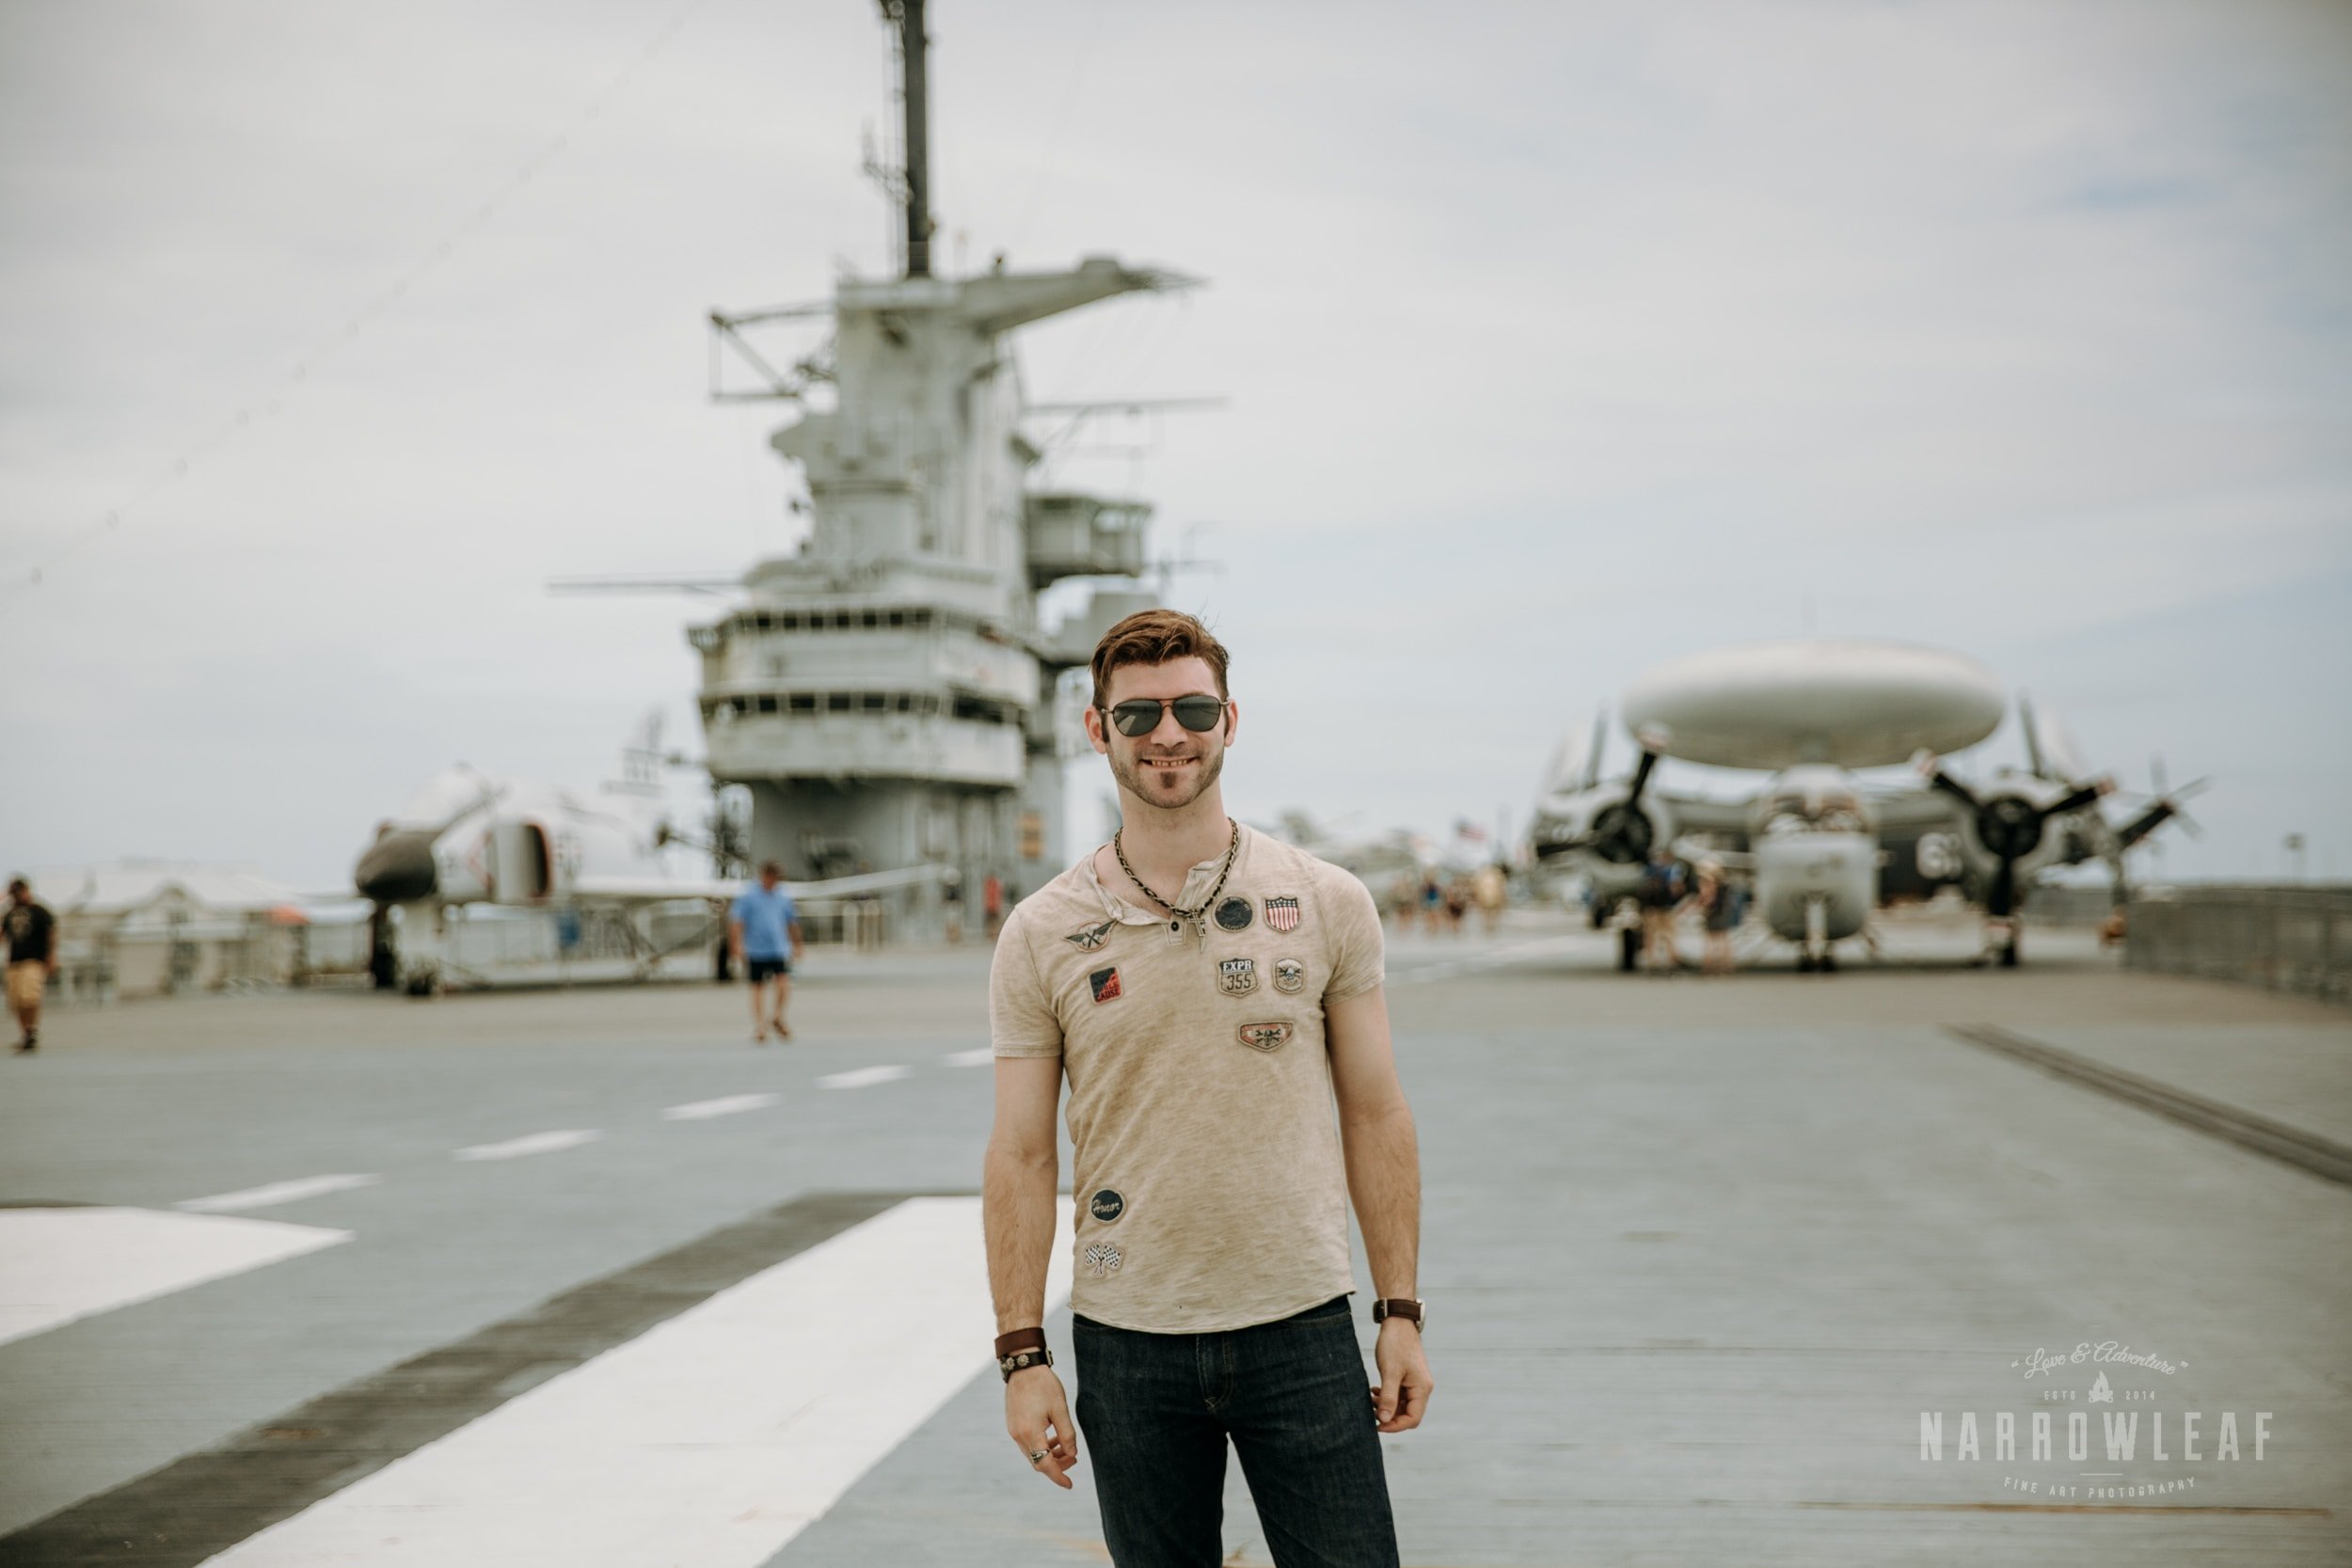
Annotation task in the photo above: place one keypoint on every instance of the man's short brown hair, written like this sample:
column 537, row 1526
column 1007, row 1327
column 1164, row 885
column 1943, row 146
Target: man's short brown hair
column 1156, row 637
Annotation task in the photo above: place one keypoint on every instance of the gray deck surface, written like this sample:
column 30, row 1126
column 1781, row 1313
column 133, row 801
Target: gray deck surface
column 1699, row 1251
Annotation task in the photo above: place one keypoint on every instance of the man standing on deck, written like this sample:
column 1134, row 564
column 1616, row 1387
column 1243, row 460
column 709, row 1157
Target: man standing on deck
column 1207, row 992
column 764, row 929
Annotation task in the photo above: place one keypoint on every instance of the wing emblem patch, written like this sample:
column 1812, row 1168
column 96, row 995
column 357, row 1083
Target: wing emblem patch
column 1265, row 1037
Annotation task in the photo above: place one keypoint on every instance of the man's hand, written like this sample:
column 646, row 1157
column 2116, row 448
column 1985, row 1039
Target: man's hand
column 1038, row 1415
column 1402, row 1396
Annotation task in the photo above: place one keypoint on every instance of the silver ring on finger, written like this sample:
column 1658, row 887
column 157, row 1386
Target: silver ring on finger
column 1037, row 1457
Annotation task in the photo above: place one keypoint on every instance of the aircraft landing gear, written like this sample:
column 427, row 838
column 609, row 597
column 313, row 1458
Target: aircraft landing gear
column 1629, row 950
column 1815, row 954
column 383, row 957
column 2000, row 944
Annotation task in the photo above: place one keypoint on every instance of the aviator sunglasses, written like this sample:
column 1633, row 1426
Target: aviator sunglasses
column 1141, row 715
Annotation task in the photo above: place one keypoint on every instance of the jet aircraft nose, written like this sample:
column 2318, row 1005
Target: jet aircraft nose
column 397, row 868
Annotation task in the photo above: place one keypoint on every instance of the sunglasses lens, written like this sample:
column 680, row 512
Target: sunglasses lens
column 1141, row 717
column 1199, row 714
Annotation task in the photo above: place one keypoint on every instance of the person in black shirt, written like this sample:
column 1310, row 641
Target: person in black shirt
column 31, row 933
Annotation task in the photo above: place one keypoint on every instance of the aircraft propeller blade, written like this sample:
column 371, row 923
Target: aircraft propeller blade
column 2081, row 796
column 2156, row 812
column 1931, row 770
column 1642, row 771
column 1621, row 831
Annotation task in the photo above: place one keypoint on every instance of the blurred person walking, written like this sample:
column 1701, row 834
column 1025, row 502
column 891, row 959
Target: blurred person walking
column 1661, row 892
column 764, row 933
column 1209, row 993
column 31, row 933
column 951, row 904
column 1717, row 904
column 1489, row 890
column 1457, row 903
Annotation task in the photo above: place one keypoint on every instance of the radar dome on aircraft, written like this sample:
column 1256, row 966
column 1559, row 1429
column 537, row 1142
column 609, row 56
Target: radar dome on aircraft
column 1853, row 703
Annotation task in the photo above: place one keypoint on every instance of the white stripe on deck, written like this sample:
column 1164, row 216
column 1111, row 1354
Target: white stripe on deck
column 727, row 1105
column 57, row 1265
column 864, row 1077
column 981, row 1057
column 713, row 1439
column 275, row 1191
column 530, row 1143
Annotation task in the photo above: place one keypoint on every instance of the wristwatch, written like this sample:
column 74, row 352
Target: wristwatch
column 1416, row 1312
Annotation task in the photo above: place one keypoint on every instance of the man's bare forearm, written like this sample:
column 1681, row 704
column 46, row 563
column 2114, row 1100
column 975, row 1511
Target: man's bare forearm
column 1384, row 1180
column 1017, row 1198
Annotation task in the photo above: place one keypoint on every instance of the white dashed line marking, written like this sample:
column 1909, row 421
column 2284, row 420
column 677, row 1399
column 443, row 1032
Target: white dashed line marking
column 864, row 1077
column 981, row 1057
column 277, row 1191
column 725, row 1106
column 530, row 1143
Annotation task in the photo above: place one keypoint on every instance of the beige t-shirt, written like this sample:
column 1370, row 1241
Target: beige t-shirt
column 1210, row 1189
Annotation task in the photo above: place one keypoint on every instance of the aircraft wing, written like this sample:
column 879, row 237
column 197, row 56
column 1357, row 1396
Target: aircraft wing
column 1919, row 809
column 654, row 890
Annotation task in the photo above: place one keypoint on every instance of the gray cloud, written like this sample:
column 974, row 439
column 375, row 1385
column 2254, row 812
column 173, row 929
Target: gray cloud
column 1558, row 338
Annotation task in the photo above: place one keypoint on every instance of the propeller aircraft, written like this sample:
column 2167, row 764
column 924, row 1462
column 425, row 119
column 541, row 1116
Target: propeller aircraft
column 1821, row 848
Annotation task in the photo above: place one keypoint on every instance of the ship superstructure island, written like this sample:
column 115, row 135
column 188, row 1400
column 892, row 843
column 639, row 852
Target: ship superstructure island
column 888, row 694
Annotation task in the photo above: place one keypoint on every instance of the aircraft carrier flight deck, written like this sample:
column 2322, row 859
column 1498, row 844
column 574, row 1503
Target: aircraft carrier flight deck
column 1767, row 1269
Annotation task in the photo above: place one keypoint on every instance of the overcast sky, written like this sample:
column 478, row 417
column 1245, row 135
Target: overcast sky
column 1557, row 338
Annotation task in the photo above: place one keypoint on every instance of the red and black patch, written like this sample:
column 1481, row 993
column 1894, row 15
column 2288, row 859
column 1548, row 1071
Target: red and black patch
column 1105, row 983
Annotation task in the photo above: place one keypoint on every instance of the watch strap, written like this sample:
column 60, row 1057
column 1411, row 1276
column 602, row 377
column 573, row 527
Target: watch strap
column 1398, row 1306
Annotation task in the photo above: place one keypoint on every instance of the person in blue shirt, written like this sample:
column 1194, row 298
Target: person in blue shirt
column 764, row 931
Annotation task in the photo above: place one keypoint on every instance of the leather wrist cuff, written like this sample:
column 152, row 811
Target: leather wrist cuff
column 1019, row 1338
column 1407, row 1307
column 1021, row 1359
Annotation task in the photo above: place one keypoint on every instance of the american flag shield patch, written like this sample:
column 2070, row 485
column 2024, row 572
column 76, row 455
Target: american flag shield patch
column 1282, row 914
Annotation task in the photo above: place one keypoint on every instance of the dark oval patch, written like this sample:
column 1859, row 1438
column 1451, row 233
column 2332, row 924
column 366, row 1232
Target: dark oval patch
column 1106, row 1206
column 1236, row 914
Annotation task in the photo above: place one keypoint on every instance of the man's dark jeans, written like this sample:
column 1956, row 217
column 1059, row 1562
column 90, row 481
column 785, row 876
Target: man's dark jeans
column 1155, row 1411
